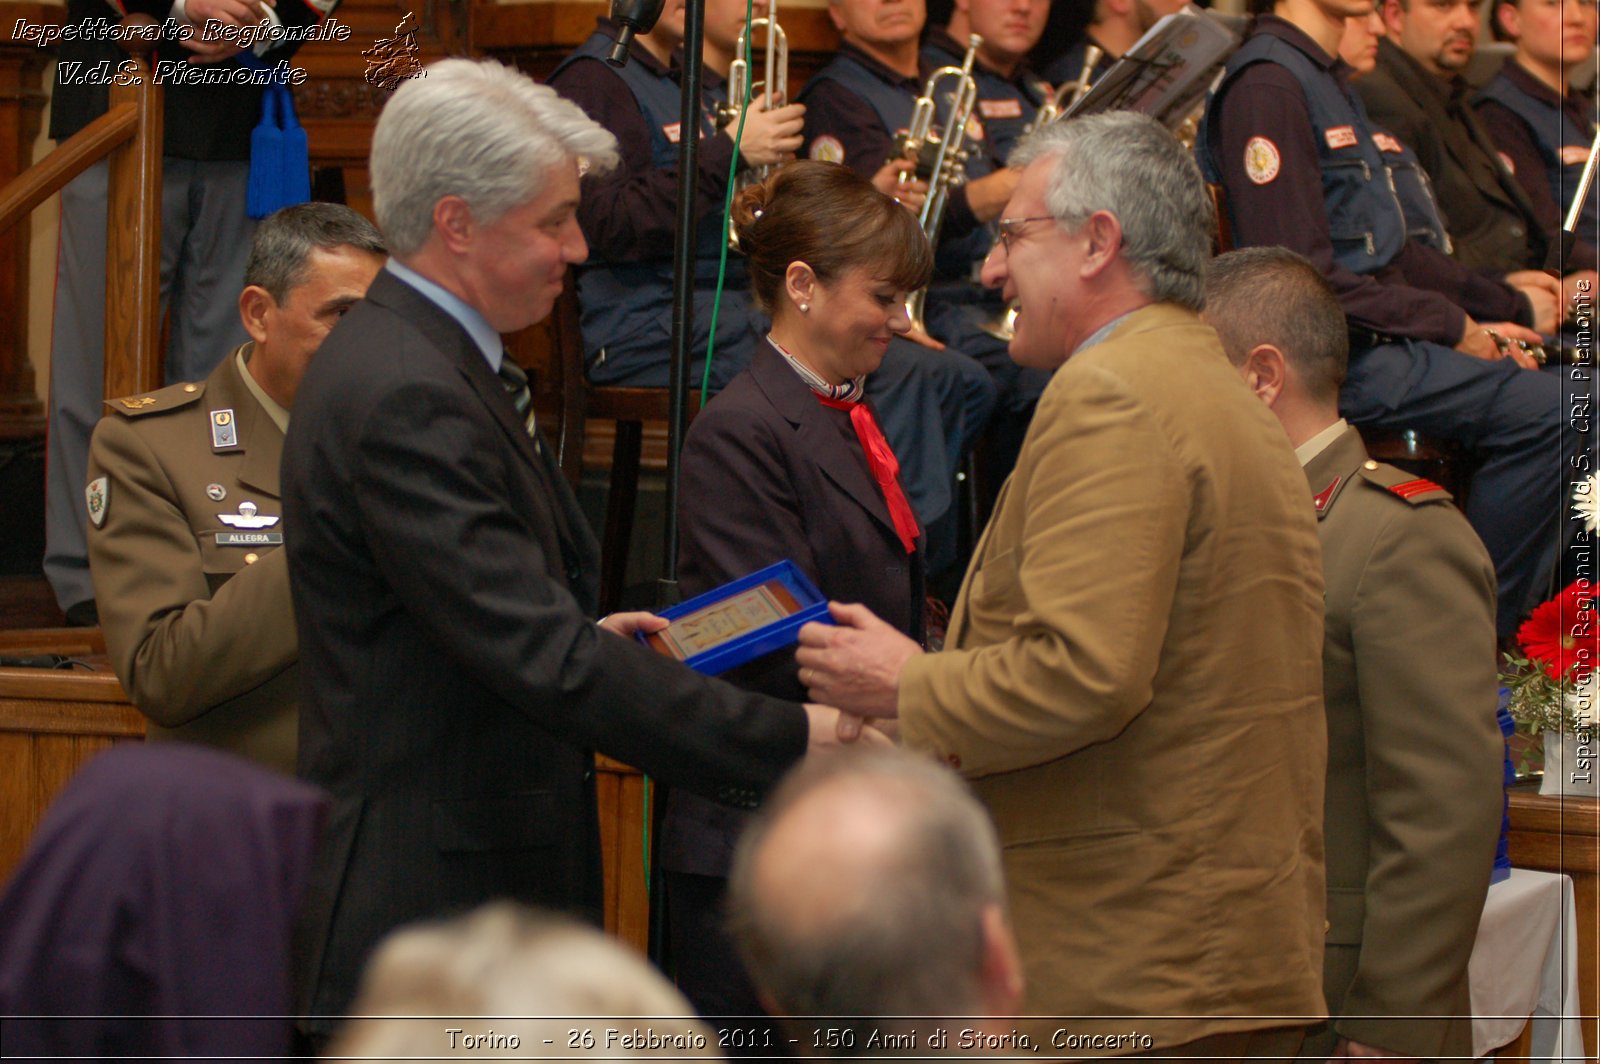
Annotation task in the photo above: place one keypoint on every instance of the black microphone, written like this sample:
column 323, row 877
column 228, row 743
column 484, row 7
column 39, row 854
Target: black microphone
column 635, row 16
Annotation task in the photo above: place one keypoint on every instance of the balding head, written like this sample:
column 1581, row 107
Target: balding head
column 871, row 886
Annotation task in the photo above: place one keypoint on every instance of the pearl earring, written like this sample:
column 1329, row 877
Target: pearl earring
column 805, row 308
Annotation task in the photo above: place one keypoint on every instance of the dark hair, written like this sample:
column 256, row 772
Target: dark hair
column 832, row 219
column 1271, row 295
column 286, row 238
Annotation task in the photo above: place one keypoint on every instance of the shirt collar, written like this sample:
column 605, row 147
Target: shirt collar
column 1100, row 333
column 1309, row 450
column 483, row 335
column 893, row 77
column 275, row 410
column 1518, row 76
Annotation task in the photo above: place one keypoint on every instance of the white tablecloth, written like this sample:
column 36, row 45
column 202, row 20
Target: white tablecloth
column 1525, row 963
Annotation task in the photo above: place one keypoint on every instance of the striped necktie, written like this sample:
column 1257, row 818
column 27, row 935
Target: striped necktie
column 515, row 379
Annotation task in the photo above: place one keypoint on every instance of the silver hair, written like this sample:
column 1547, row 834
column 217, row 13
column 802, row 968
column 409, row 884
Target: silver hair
column 1127, row 164
column 904, row 937
column 478, row 130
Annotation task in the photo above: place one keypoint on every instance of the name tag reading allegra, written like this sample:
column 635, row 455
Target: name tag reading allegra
column 249, row 539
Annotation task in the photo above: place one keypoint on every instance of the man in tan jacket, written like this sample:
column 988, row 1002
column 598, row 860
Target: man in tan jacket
column 1414, row 791
column 184, row 512
column 1132, row 676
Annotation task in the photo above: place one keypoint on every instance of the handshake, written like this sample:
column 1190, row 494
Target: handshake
column 850, row 668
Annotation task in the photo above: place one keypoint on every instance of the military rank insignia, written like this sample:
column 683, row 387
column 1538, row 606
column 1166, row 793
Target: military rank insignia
column 97, row 494
column 224, row 430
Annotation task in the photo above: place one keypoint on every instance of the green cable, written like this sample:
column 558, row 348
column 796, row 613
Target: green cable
column 711, row 341
column 727, row 201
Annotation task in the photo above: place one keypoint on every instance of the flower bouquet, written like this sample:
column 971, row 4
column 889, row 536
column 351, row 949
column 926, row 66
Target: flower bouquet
column 1551, row 684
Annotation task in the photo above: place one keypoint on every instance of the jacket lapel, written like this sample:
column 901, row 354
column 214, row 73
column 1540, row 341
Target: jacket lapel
column 1330, row 471
column 263, row 443
column 841, row 464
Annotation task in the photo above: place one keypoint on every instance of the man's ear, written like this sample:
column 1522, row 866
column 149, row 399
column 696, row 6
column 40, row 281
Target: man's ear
column 1509, row 19
column 1394, row 18
column 453, row 221
column 1002, row 967
column 255, row 303
column 834, row 16
column 1266, row 372
column 1104, row 233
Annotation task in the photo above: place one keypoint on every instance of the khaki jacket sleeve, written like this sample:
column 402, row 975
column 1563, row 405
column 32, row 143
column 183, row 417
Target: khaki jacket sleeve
column 1424, row 640
column 177, row 649
column 1069, row 605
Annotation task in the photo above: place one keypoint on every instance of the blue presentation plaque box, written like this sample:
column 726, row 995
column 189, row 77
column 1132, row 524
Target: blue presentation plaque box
column 740, row 621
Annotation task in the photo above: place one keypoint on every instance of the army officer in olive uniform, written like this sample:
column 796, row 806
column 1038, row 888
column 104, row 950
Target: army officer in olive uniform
column 184, row 517
column 1413, row 799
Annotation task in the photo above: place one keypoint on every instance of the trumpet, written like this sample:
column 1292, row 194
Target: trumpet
column 1055, row 105
column 774, row 84
column 947, row 167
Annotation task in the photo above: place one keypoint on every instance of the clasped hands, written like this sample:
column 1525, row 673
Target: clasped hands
column 851, row 669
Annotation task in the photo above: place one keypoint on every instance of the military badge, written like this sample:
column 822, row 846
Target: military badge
column 216, row 492
column 1341, row 137
column 248, row 517
column 1261, row 160
column 139, row 403
column 224, row 431
column 98, row 495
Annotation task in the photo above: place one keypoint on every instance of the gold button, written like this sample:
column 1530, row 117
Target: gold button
column 250, row 559
column 1370, row 464
column 1327, row 927
column 191, row 387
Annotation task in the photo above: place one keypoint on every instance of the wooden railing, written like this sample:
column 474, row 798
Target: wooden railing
column 129, row 134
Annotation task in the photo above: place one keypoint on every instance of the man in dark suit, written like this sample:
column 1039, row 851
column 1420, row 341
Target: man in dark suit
column 442, row 572
column 1407, row 666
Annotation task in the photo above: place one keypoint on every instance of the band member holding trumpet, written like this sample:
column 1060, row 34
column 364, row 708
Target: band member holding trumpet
column 1116, row 26
column 932, row 404
column 861, row 108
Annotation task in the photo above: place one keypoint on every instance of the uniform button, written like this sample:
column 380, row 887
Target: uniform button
column 1327, row 927
column 250, row 559
column 191, row 387
column 1516, row 230
column 1369, row 464
column 953, row 760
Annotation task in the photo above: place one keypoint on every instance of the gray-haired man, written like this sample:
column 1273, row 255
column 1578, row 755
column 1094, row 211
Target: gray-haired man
column 443, row 575
column 1131, row 679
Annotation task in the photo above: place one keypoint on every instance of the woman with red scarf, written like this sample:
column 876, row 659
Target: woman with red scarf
column 788, row 462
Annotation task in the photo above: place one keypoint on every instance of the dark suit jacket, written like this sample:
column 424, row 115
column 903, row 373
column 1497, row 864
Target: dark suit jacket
column 1491, row 222
column 770, row 474
column 453, row 684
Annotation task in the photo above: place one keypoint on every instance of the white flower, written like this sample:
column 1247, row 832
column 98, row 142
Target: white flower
column 1586, row 501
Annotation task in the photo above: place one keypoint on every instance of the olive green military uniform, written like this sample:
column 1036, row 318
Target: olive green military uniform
column 1414, row 788
column 185, row 533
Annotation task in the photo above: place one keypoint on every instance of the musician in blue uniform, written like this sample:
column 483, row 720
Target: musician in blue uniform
column 932, row 403
column 1115, row 27
column 1543, row 129
column 1293, row 147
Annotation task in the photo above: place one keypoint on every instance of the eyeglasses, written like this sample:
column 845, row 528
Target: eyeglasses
column 1011, row 228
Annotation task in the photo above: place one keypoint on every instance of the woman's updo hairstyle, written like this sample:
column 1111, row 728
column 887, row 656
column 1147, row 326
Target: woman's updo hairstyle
column 832, row 219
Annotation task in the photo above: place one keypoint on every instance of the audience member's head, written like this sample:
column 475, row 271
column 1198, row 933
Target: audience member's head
column 308, row 265
column 155, row 904
column 475, row 182
column 1358, row 46
column 506, row 979
column 1010, row 29
column 870, row 885
column 1439, row 34
column 1282, row 327
column 1552, row 36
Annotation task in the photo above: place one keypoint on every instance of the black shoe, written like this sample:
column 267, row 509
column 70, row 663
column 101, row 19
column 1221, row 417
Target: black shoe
column 83, row 614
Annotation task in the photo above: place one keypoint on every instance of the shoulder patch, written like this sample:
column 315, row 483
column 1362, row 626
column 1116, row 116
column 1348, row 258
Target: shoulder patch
column 827, row 149
column 1387, row 143
column 1261, row 161
column 157, row 402
column 1004, row 107
column 1341, row 137
column 98, row 495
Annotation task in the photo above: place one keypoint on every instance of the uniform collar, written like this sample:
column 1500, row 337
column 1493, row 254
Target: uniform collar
column 275, row 410
column 879, row 70
column 1518, row 76
column 1289, row 33
column 1309, row 450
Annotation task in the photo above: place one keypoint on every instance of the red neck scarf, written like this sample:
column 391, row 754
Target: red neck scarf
column 885, row 468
